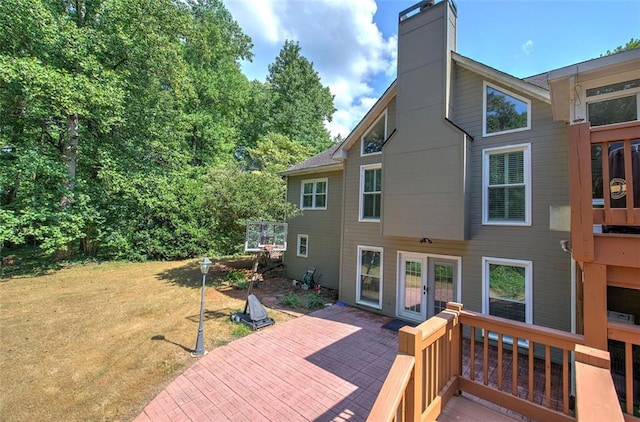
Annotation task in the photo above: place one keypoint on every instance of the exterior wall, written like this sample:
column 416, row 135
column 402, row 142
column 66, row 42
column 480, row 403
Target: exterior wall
column 550, row 187
column 323, row 228
column 425, row 161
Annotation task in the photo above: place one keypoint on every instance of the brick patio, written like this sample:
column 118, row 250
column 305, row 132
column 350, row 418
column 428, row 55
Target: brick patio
column 327, row 366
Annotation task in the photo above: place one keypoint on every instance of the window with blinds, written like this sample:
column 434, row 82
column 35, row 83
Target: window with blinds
column 506, row 177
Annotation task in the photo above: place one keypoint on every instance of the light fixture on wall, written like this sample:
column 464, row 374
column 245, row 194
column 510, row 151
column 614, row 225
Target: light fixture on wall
column 566, row 245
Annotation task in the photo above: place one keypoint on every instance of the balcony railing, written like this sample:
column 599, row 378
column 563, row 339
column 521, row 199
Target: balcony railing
column 604, row 168
column 431, row 368
column 624, row 345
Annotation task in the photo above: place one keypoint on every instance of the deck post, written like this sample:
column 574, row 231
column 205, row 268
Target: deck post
column 596, row 398
column 581, row 202
column 456, row 342
column 595, row 302
column 409, row 339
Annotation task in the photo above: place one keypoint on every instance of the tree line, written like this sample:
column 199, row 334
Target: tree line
column 128, row 130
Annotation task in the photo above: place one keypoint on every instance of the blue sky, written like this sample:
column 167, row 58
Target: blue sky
column 352, row 43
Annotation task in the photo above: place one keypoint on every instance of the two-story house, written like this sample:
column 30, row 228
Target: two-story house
column 454, row 186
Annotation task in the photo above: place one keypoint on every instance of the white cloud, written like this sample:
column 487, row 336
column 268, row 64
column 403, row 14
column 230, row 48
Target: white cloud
column 527, row 47
column 346, row 47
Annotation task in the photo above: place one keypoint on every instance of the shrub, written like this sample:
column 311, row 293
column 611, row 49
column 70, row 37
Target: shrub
column 236, row 279
column 314, row 301
column 292, row 300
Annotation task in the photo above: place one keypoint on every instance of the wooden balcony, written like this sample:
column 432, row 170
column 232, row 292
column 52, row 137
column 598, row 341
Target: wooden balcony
column 604, row 162
column 429, row 370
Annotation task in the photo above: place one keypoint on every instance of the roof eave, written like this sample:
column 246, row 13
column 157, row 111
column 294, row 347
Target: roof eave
column 309, row 170
column 367, row 120
column 508, row 80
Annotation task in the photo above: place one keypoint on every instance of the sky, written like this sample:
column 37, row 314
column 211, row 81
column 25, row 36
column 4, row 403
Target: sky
column 353, row 43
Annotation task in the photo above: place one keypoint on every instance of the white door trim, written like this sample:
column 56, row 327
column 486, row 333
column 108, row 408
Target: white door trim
column 426, row 257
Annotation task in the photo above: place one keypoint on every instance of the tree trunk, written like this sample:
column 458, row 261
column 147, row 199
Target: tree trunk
column 70, row 151
column 70, row 157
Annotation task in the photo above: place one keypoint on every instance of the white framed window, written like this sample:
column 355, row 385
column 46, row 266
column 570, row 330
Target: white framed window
column 303, row 245
column 507, row 291
column 611, row 102
column 503, row 111
column 507, row 288
column 370, row 192
column 373, row 139
column 370, row 270
column 506, row 185
column 313, row 194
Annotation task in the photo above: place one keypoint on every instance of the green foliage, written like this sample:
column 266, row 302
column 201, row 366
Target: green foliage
column 502, row 113
column 275, row 153
column 300, row 104
column 292, row 300
column 507, row 282
column 314, row 301
column 632, row 44
column 236, row 279
column 121, row 119
column 308, row 300
column 234, row 196
column 241, row 330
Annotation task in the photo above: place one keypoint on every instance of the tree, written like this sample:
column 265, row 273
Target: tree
column 502, row 113
column 631, row 45
column 235, row 196
column 109, row 109
column 51, row 83
column 275, row 153
column 300, row 104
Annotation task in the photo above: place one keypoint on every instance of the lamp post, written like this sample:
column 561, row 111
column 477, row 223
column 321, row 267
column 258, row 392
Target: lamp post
column 204, row 269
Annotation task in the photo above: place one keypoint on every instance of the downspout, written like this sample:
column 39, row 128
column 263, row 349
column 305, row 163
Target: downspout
column 342, row 217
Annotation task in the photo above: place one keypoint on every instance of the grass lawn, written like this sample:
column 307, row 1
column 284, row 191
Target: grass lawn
column 98, row 341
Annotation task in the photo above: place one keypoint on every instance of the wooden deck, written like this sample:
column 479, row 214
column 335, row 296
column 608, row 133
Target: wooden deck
column 462, row 408
column 327, row 366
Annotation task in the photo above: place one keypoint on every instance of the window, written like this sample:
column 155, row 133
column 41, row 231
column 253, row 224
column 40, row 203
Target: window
column 313, row 194
column 370, row 192
column 507, row 289
column 369, row 284
column 303, row 245
column 504, row 112
column 506, row 180
column 613, row 103
column 374, row 138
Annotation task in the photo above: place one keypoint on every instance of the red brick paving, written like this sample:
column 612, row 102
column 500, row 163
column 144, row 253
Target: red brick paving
column 326, row 366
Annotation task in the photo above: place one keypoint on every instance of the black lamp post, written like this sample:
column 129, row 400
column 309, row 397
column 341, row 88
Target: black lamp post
column 204, row 269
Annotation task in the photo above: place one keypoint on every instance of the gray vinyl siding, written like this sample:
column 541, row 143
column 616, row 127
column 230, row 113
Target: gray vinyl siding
column 425, row 161
column 323, row 228
column 550, row 186
column 535, row 243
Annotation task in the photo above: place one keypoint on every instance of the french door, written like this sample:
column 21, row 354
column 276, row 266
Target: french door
column 425, row 284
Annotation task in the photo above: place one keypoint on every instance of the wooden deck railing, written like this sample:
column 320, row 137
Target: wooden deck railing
column 596, row 398
column 619, row 186
column 543, row 349
column 464, row 351
column 432, row 374
column 629, row 376
column 391, row 402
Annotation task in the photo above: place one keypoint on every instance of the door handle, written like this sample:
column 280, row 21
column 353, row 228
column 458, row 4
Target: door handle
column 424, row 290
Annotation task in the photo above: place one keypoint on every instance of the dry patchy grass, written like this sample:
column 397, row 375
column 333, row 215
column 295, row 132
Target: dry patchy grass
column 98, row 341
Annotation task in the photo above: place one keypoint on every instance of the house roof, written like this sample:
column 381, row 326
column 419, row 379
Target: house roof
column 561, row 87
column 541, row 80
column 534, row 85
column 319, row 162
column 367, row 120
